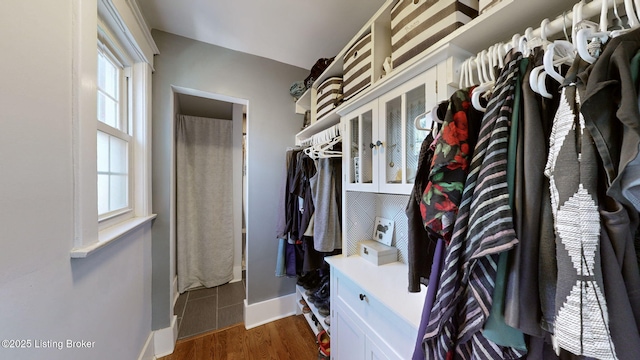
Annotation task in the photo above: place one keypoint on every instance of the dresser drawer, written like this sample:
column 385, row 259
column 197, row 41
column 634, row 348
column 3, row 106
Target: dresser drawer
column 384, row 322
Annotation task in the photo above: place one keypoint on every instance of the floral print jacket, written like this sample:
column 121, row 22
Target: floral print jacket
column 453, row 147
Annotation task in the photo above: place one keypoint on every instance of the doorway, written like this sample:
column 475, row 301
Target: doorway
column 201, row 104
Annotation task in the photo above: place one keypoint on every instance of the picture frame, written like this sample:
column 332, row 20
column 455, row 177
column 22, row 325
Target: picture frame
column 383, row 231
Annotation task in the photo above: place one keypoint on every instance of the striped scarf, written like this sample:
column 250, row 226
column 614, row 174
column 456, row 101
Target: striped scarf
column 483, row 229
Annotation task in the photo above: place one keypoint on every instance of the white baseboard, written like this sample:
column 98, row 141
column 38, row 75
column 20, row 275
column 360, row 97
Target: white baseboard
column 164, row 340
column 270, row 310
column 237, row 274
column 148, row 351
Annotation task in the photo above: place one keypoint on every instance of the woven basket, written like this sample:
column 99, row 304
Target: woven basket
column 357, row 71
column 418, row 24
column 329, row 96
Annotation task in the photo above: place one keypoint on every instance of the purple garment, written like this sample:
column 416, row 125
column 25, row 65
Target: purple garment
column 434, row 281
column 291, row 260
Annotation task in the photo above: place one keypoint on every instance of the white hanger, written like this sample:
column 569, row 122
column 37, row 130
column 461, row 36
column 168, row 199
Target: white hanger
column 583, row 35
column 543, row 31
column 550, row 59
column 470, row 73
column 535, row 72
column 542, row 88
column 322, row 150
column 632, row 19
column 577, row 22
column 500, row 53
column 527, row 42
column 492, row 61
column 325, row 152
column 631, row 14
column 479, row 65
column 431, row 117
column 487, row 84
column 462, row 81
column 514, row 42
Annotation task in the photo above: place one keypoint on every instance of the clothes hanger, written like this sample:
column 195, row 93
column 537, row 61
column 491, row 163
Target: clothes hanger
column 584, row 47
column 487, row 65
column 542, row 88
column 431, row 116
column 550, row 59
column 462, row 81
column 500, row 54
column 324, row 151
column 632, row 19
column 482, row 88
column 470, row 73
column 524, row 42
column 535, row 72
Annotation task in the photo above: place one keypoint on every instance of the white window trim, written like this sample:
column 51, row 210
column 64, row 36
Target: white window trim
column 125, row 110
column 88, row 237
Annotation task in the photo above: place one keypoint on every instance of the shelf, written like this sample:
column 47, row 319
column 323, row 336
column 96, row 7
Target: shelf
column 314, row 311
column 499, row 23
column 332, row 118
column 303, row 104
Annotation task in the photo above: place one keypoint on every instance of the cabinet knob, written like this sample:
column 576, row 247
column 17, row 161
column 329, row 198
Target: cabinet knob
column 362, row 297
column 378, row 143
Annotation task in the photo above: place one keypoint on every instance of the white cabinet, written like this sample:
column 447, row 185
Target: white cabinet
column 382, row 144
column 350, row 344
column 372, row 314
column 356, row 340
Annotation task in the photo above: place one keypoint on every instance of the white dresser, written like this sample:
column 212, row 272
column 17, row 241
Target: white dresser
column 373, row 316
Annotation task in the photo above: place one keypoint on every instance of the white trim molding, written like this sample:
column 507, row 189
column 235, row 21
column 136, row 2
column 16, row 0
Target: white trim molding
column 109, row 235
column 128, row 24
column 269, row 310
column 135, row 9
column 164, row 340
column 148, row 352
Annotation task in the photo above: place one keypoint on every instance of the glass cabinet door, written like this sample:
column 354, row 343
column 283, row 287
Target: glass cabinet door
column 400, row 149
column 382, row 139
column 360, row 166
column 414, row 137
column 392, row 147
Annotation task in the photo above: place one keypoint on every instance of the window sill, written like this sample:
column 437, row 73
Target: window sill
column 109, row 235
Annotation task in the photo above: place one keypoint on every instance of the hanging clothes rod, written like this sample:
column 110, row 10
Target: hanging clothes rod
column 589, row 10
column 563, row 23
column 565, row 20
column 323, row 136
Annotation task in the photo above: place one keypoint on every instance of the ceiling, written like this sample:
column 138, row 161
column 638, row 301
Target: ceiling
column 203, row 107
column 295, row 32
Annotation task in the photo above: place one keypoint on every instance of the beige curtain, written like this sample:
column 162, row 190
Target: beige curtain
column 204, row 219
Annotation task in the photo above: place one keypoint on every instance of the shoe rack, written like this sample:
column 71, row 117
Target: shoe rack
column 317, row 324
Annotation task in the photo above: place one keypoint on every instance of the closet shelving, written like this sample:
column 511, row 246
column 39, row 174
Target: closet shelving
column 370, row 317
column 506, row 18
column 315, row 327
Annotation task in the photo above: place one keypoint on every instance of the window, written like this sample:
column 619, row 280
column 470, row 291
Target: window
column 112, row 65
column 114, row 136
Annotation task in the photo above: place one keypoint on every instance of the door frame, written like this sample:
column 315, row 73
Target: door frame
column 237, row 134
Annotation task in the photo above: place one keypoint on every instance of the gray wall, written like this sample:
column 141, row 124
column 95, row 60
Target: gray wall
column 45, row 295
column 272, row 125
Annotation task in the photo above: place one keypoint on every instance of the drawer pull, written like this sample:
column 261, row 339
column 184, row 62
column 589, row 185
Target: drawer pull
column 362, row 297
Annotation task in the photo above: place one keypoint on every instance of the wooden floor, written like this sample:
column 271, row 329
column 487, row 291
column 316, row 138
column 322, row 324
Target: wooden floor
column 288, row 338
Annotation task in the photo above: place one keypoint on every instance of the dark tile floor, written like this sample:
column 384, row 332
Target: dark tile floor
column 207, row 309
